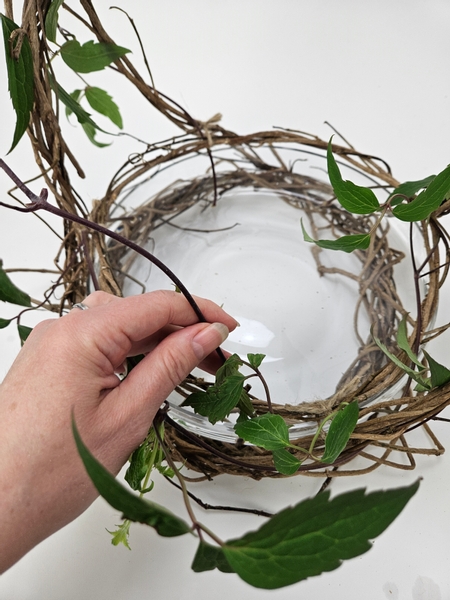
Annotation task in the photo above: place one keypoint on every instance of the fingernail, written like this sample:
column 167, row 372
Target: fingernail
column 209, row 339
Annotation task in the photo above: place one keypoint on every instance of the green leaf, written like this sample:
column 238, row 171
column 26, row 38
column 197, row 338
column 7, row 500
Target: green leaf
column 20, row 79
column 440, row 375
column 268, row 431
column 120, row 535
column 10, row 293
column 24, row 332
column 245, row 404
column 346, row 243
column 285, row 463
column 413, row 374
column 354, row 198
column 341, row 428
column 132, row 507
column 410, row 189
column 427, row 201
column 217, row 402
column 102, row 102
column 210, row 557
column 91, row 56
column 229, row 367
column 137, row 469
column 91, row 132
column 255, row 359
column 403, row 344
column 314, row 536
column 51, row 20
column 4, row 323
column 71, row 103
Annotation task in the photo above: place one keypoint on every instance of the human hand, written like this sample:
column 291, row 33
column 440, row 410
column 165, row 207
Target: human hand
column 67, row 365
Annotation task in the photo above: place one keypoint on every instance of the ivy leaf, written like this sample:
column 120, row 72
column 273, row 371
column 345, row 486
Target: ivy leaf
column 132, row 507
column 341, row 428
column 4, row 323
column 210, row 557
column 10, row 293
column 20, row 78
column 410, row 189
column 255, row 359
column 413, row 374
column 102, row 102
column 285, row 463
column 268, row 431
column 346, row 243
column 440, row 375
column 427, row 201
column 90, row 56
column 314, row 536
column 403, row 344
column 51, row 20
column 354, row 198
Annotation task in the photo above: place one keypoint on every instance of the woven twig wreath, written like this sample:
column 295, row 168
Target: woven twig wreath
column 383, row 423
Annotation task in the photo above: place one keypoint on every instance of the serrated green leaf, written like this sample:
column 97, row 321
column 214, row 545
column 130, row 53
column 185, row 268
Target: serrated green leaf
column 91, row 56
column 24, row 332
column 208, row 558
column 268, row 431
column 75, row 95
column 229, row 367
column 138, row 466
column 413, row 374
column 132, row 507
column 410, row 189
column 403, row 344
column 427, row 201
column 217, row 402
column 51, row 20
column 354, row 198
column 91, row 132
column 440, row 375
column 341, row 428
column 285, row 463
column 245, row 404
column 10, row 293
column 20, row 79
column 255, row 359
column 102, row 102
column 346, row 243
column 4, row 323
column 314, row 536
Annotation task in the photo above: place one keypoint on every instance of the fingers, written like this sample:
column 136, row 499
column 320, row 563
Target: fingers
column 125, row 326
column 136, row 400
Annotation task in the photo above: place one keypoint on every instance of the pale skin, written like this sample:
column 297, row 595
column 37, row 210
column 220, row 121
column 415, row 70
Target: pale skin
column 67, row 367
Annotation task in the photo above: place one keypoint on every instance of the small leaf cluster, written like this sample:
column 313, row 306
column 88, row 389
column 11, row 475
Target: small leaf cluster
column 268, row 431
column 438, row 374
column 403, row 203
column 81, row 58
column 10, row 293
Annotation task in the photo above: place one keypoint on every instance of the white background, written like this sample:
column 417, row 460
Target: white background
column 379, row 73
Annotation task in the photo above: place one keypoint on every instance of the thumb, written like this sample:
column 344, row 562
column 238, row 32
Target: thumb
column 137, row 399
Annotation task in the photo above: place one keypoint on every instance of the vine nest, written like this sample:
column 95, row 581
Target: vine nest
column 251, row 161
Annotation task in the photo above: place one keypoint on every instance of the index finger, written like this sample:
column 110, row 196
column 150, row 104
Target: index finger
column 115, row 324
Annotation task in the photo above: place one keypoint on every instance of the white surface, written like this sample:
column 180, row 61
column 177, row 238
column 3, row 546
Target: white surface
column 379, row 73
